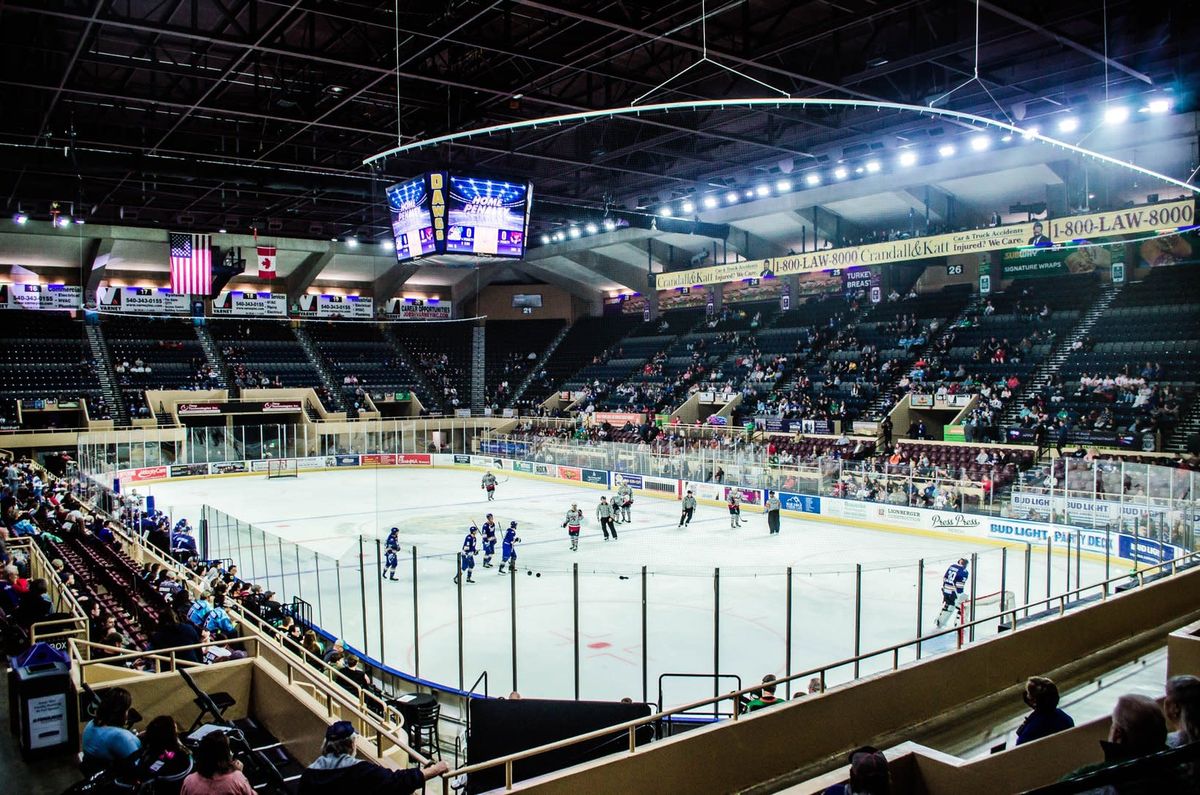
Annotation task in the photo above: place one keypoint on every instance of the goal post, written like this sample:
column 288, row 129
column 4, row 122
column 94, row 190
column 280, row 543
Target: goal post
column 986, row 606
column 282, row 468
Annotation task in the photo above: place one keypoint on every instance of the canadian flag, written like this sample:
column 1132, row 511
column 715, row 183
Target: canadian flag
column 266, row 262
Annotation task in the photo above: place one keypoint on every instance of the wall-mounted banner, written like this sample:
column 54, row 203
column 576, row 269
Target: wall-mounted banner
column 341, row 461
column 598, row 476
column 41, row 296
column 345, row 307
column 1149, row 218
column 1033, row 262
column 144, row 300
column 416, row 309
column 240, row 303
column 801, row 503
column 570, row 473
column 197, row 409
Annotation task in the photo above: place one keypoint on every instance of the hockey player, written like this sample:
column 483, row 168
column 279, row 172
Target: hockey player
column 469, row 548
column 623, row 501
column 489, row 541
column 954, row 581
column 573, row 521
column 604, row 515
column 735, row 508
column 489, row 484
column 393, row 540
column 390, row 561
column 508, row 549
column 689, row 508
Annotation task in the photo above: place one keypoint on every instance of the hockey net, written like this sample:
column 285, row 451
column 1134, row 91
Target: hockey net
column 989, row 605
column 282, row 468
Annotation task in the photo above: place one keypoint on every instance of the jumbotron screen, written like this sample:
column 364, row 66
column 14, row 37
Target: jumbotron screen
column 412, row 219
column 487, row 216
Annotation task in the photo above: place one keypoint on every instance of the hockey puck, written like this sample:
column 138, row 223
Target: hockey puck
column 530, row 573
column 539, row 574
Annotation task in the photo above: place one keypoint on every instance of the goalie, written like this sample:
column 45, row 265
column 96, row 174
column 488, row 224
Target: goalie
column 954, row 581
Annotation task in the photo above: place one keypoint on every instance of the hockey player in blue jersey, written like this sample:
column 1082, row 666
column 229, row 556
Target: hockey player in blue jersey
column 954, row 581
column 509, row 548
column 469, row 548
column 390, row 561
column 393, row 540
column 489, row 541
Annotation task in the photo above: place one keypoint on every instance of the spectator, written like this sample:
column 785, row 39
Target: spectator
column 765, row 698
column 217, row 772
column 1041, row 695
column 337, row 650
column 337, row 770
column 868, row 774
column 107, row 743
column 1182, row 708
column 35, row 605
column 172, row 633
column 164, row 762
column 218, row 621
column 1138, row 729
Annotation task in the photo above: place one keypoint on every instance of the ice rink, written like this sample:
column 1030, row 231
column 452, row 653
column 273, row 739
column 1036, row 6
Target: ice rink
column 687, row 631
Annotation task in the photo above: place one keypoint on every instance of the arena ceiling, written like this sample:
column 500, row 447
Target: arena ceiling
column 232, row 114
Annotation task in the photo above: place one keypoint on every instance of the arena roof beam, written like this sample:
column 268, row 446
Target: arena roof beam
column 636, row 279
column 752, row 246
column 391, row 280
column 95, row 263
column 307, row 272
column 466, row 289
column 1063, row 40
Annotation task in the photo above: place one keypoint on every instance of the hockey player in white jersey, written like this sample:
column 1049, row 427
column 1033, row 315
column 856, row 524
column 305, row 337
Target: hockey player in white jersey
column 735, row 508
column 489, row 485
column 954, row 582
column 623, row 503
column 573, row 522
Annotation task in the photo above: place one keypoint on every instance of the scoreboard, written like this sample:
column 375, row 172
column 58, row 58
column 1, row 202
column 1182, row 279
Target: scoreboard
column 442, row 213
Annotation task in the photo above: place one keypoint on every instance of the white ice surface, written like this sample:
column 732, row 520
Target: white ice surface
column 326, row 512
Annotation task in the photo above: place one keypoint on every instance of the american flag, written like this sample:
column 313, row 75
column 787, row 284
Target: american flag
column 191, row 264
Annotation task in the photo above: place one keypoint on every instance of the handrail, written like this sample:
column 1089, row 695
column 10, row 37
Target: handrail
column 631, row 726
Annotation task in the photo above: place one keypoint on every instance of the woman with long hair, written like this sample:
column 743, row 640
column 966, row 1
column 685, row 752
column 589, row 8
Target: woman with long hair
column 164, row 762
column 216, row 771
column 107, row 742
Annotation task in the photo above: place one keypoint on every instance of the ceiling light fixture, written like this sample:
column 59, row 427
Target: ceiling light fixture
column 731, row 197
column 980, row 143
column 783, row 185
column 665, row 211
column 908, row 158
column 1068, row 124
column 840, row 172
column 688, row 208
column 947, row 150
column 762, row 190
column 1116, row 114
column 873, row 166
column 710, row 202
column 592, row 229
column 812, row 178
column 575, row 233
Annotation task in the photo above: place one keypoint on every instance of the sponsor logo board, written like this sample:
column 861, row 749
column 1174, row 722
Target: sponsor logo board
column 229, row 467
column 802, row 503
column 341, row 461
column 570, row 473
column 634, row 481
column 595, row 476
column 414, row 459
column 147, row 473
column 281, row 405
column 462, row 459
column 193, row 409
column 188, row 470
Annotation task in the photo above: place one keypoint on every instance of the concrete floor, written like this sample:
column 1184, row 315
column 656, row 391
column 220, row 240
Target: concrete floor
column 50, row 776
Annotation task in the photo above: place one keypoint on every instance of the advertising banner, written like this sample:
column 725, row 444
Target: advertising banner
column 416, row 309
column 486, row 462
column 229, row 468
column 705, row 491
column 237, row 303
column 146, row 473
column 1034, row 262
column 617, row 418
column 341, row 461
column 543, row 469
column 801, row 503
column 570, row 473
column 1081, row 510
column 280, row 405
column 414, row 460
column 598, row 476
column 662, row 486
column 634, row 481
column 144, row 300
column 378, row 459
column 510, row 449
column 1149, row 218
column 311, row 462
column 522, row 466
column 749, row 496
column 463, row 459
column 345, row 307
column 45, row 297
column 194, row 409
column 189, row 470
column 858, row 279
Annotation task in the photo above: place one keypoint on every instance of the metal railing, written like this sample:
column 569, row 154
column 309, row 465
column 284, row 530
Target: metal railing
column 630, row 727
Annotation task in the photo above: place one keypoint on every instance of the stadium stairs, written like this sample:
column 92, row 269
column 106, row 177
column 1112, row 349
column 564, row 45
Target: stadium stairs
column 1189, row 426
column 519, row 392
column 212, row 352
column 318, row 363
column 107, row 374
column 426, row 389
column 1059, row 355
column 478, row 368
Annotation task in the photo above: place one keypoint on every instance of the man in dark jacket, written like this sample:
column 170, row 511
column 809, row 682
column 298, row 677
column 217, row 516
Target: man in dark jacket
column 337, row 770
column 1041, row 694
column 172, row 633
